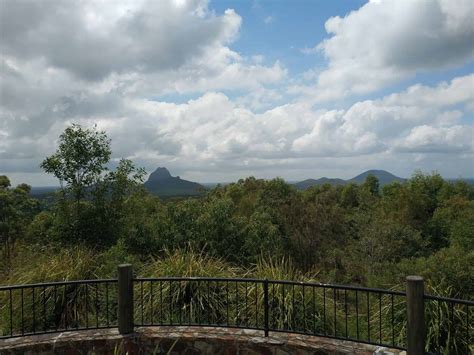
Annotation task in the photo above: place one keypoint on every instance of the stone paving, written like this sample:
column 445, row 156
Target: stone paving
column 184, row 340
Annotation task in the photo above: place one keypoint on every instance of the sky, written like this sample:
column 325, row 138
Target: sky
column 220, row 90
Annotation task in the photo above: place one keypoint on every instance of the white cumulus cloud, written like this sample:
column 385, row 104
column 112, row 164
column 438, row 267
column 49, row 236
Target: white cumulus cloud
column 387, row 41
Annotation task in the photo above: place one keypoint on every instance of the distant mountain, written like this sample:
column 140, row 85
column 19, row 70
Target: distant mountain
column 469, row 181
column 43, row 190
column 44, row 193
column 384, row 178
column 212, row 185
column 161, row 183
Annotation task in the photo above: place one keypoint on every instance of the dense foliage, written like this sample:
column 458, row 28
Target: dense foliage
column 357, row 234
column 354, row 234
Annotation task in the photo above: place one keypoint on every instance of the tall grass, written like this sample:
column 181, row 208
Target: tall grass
column 447, row 326
column 235, row 303
column 35, row 265
column 294, row 307
column 41, row 308
column 191, row 302
column 188, row 263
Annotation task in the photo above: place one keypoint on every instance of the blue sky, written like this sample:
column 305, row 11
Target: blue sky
column 280, row 30
column 219, row 90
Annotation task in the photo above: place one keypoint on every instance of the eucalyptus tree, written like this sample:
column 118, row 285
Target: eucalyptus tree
column 80, row 160
column 92, row 196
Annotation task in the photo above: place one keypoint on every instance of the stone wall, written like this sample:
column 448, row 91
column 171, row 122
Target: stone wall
column 183, row 340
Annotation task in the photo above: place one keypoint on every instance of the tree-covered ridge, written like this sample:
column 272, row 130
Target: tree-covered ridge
column 354, row 234
column 384, row 178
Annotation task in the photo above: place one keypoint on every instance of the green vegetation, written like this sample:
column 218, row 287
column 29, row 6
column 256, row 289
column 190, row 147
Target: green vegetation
column 359, row 234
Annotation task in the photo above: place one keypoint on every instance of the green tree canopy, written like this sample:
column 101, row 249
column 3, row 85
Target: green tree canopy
column 80, row 159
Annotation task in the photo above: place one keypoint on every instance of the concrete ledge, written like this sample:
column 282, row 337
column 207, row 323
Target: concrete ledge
column 184, row 340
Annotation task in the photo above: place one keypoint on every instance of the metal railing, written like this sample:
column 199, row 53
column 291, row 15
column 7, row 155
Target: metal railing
column 57, row 306
column 365, row 315
column 343, row 312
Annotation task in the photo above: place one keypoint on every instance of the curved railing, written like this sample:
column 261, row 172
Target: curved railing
column 57, row 306
column 365, row 315
column 335, row 311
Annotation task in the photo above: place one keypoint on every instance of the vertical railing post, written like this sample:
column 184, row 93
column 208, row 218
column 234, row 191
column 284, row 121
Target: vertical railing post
column 265, row 302
column 125, row 299
column 415, row 316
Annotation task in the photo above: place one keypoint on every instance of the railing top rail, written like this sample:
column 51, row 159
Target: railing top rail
column 286, row 282
column 447, row 299
column 224, row 279
column 192, row 278
column 58, row 283
column 340, row 287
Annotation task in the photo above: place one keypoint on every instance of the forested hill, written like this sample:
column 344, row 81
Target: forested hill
column 384, row 178
column 161, row 183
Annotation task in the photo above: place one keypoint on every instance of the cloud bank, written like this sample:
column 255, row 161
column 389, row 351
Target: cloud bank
column 112, row 64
